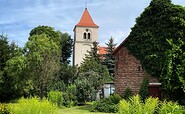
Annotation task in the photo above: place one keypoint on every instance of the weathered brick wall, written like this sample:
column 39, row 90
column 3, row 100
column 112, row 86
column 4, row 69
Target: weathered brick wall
column 128, row 72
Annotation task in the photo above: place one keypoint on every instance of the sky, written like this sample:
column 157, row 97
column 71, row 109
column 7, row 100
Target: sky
column 114, row 17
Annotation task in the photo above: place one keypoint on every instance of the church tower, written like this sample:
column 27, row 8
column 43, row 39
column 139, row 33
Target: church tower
column 85, row 33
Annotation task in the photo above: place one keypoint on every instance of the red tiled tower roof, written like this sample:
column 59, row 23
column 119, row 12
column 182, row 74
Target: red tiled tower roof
column 86, row 20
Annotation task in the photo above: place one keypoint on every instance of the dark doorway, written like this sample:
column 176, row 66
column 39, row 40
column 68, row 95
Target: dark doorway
column 154, row 90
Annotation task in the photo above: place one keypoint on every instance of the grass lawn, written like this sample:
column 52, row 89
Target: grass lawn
column 78, row 110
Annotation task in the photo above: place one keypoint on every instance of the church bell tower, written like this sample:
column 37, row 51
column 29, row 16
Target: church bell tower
column 85, row 33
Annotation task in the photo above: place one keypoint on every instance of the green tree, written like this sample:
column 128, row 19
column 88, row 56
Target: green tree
column 161, row 20
column 93, row 71
column 8, row 88
column 17, row 71
column 109, row 60
column 93, row 53
column 43, row 59
column 49, row 31
column 67, row 44
column 63, row 40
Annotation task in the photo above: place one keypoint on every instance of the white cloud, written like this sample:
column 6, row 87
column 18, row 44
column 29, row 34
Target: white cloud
column 115, row 18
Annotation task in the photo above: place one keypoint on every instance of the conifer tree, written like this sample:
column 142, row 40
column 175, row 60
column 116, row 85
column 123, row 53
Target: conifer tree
column 109, row 58
column 93, row 53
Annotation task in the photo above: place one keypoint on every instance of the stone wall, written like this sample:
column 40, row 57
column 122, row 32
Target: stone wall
column 128, row 72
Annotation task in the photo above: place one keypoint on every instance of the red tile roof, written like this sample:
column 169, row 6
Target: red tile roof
column 86, row 20
column 102, row 50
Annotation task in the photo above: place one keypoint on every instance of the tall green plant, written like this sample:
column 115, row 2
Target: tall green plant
column 128, row 93
column 70, row 96
column 109, row 60
column 55, row 97
column 136, row 106
column 33, row 106
column 169, row 108
column 143, row 91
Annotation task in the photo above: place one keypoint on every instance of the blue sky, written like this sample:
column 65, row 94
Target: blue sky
column 115, row 17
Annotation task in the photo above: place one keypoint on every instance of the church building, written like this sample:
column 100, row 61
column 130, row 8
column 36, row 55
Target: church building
column 85, row 33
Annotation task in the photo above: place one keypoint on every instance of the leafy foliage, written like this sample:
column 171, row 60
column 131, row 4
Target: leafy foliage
column 70, row 96
column 49, row 31
column 56, row 98
column 173, row 71
column 92, row 54
column 87, row 84
column 33, row 106
column 135, row 106
column 93, row 72
column 67, row 44
column 128, row 93
column 43, row 59
column 4, row 109
column 148, row 40
column 8, row 87
column 169, row 108
column 109, row 104
column 143, row 91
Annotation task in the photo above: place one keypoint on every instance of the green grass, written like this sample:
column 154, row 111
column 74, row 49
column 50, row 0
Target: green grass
column 78, row 110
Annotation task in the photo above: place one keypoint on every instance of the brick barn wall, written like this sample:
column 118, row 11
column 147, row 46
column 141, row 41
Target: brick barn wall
column 128, row 72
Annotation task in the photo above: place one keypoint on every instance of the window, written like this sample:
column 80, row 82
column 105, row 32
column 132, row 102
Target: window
column 89, row 36
column 84, row 35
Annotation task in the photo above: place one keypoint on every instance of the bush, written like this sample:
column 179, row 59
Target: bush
column 55, row 97
column 143, row 91
column 69, row 96
column 136, row 106
column 150, row 106
column 169, row 108
column 109, row 104
column 128, row 93
column 4, row 109
column 33, row 106
column 85, row 90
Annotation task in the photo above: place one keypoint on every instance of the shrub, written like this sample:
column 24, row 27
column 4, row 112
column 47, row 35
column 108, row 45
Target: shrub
column 169, row 108
column 109, row 104
column 151, row 105
column 4, row 109
column 124, row 107
column 136, row 106
column 128, row 93
column 55, row 97
column 84, row 90
column 69, row 96
column 143, row 91
column 33, row 106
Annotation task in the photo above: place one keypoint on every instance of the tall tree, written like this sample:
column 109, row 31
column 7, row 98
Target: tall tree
column 43, row 57
column 93, row 53
column 49, row 31
column 160, row 22
column 93, row 71
column 7, row 86
column 67, row 44
column 109, row 60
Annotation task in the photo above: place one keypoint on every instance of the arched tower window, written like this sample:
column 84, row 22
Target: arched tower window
column 84, row 35
column 89, row 36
